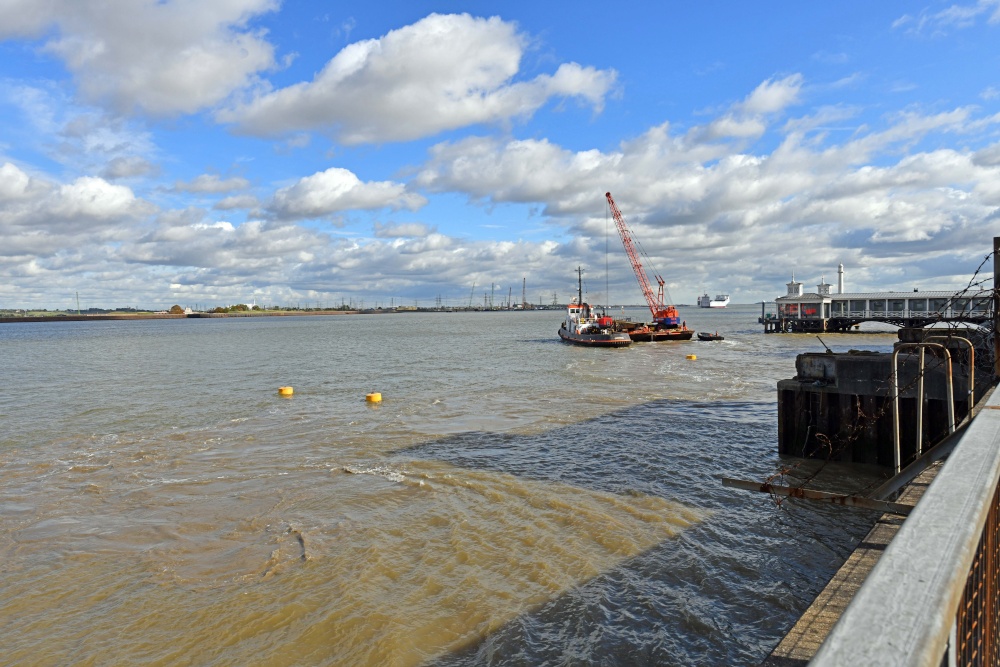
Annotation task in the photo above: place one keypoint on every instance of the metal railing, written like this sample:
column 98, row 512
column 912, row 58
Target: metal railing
column 932, row 598
column 950, row 400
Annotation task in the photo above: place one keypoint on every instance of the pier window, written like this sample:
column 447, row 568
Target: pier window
column 939, row 306
column 877, row 306
column 789, row 309
column 897, row 306
column 858, row 307
column 980, row 306
column 960, row 306
column 918, row 306
column 839, row 308
column 810, row 310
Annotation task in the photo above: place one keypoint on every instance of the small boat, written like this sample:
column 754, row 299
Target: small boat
column 720, row 301
column 710, row 336
column 583, row 326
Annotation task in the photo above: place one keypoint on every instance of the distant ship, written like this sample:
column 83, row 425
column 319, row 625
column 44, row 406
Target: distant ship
column 720, row 301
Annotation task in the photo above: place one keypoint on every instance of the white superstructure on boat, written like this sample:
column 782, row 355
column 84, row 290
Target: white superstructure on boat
column 583, row 326
column 720, row 301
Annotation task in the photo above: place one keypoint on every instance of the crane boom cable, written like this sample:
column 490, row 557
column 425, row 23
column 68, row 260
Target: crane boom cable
column 652, row 269
column 663, row 284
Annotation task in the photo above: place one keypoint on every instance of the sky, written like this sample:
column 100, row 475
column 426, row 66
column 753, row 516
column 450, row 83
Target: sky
column 286, row 152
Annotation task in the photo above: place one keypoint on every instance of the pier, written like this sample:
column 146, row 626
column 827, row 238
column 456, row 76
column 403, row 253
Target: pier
column 923, row 587
column 824, row 311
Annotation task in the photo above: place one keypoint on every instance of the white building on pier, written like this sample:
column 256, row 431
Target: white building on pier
column 822, row 310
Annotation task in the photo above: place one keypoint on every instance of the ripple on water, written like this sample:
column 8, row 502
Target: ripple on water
column 513, row 501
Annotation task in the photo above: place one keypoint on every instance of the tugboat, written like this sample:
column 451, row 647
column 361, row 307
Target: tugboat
column 583, row 326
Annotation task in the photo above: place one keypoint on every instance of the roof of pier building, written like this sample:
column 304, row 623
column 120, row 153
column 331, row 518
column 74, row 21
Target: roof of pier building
column 929, row 294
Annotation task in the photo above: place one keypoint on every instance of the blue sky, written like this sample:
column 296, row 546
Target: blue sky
column 210, row 152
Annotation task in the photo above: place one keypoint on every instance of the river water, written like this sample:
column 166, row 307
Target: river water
column 513, row 500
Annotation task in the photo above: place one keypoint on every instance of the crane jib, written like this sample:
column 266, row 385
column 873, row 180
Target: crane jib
column 665, row 315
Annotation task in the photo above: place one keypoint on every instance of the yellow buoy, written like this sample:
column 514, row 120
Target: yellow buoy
column 285, row 391
column 692, row 356
column 374, row 397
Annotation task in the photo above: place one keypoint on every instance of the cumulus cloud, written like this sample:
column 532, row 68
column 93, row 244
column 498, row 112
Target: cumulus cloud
column 336, row 190
column 221, row 247
column 747, row 120
column 161, row 57
column 237, row 202
column 694, row 201
column 15, row 185
column 27, row 18
column 440, row 73
column 709, row 207
column 404, row 230
column 128, row 167
column 41, row 222
column 89, row 198
column 212, row 183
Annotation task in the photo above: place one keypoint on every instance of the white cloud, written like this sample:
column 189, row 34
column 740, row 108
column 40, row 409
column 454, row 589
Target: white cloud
column 212, row 183
column 88, row 204
column 710, row 207
column 748, row 119
column 90, row 200
column 336, row 190
column 15, row 184
column 694, row 201
column 442, row 72
column 82, row 137
column 404, row 230
column 237, row 202
column 956, row 16
column 26, row 18
column 128, row 167
column 161, row 57
column 772, row 96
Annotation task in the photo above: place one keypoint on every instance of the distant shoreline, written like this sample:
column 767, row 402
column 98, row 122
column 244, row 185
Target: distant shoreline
column 173, row 316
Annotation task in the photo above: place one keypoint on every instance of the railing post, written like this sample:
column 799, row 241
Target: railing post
column 894, row 386
column 996, row 306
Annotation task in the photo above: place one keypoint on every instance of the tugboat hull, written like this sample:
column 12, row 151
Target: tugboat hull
column 595, row 340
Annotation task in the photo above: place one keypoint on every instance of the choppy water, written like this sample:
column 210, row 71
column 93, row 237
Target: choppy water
column 513, row 501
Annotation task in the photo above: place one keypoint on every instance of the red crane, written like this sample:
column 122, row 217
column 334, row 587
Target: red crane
column 664, row 315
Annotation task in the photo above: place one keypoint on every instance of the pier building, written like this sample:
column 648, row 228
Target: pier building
column 822, row 310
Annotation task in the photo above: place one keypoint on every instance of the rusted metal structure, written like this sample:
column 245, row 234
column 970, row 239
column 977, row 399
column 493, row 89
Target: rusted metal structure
column 878, row 407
